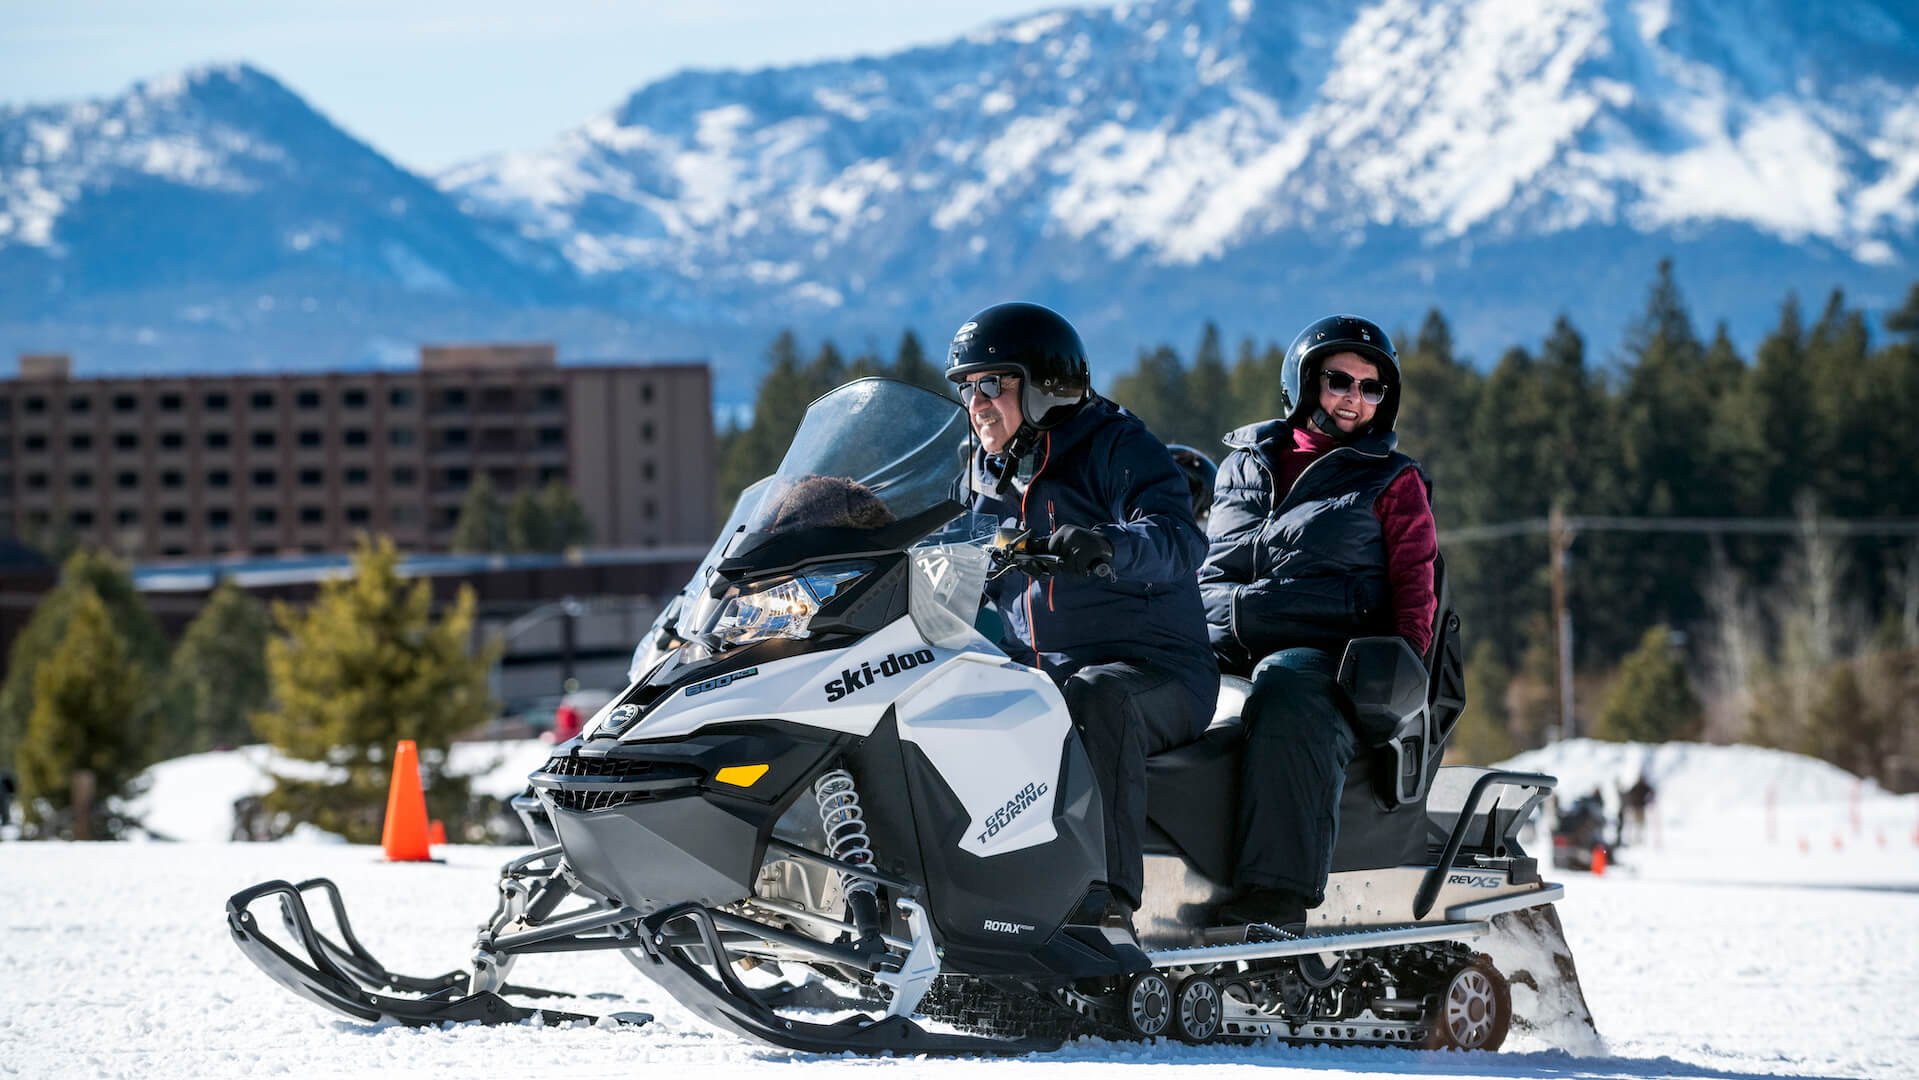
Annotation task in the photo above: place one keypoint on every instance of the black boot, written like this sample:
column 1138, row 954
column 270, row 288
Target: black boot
column 1277, row 908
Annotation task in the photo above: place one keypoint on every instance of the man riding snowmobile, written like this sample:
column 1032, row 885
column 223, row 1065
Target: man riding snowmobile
column 835, row 792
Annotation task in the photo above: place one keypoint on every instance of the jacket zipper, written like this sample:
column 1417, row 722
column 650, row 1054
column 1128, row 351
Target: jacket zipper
column 1027, row 595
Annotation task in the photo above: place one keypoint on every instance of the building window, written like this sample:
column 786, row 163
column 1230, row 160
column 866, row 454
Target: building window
column 311, row 478
column 265, row 515
column 36, row 481
column 219, row 517
column 127, row 481
column 646, row 393
column 552, row 473
column 214, row 402
column 174, row 516
column 453, row 438
column 265, row 551
column 458, row 478
column 170, row 403
column 265, row 478
column 81, row 481
column 496, row 399
column 307, row 399
column 499, row 439
column 312, row 515
column 356, row 477
column 81, row 519
column 404, row 515
column 355, row 436
column 552, row 436
column 404, row 476
column 171, row 479
column 217, row 440
column 453, row 397
column 126, row 403
column 400, row 437
column 126, row 517
column 6, row 408
column 34, row 405
column 219, row 478
column 400, row 397
column 354, row 398
column 79, row 405
column 357, row 515
column 126, row 440
column 647, row 471
column 80, row 440
column 310, row 437
column 550, row 397
column 172, row 440
column 262, row 399
column 646, row 432
column 263, row 440
column 35, row 443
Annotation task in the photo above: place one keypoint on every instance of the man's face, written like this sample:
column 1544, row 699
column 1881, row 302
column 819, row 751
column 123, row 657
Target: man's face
column 1350, row 410
column 995, row 419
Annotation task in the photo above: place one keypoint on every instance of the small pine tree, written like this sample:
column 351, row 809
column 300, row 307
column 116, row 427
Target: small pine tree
column 1650, row 700
column 566, row 522
column 363, row 667
column 86, row 715
column 107, row 579
column 910, row 365
column 482, row 524
column 526, row 525
column 220, row 671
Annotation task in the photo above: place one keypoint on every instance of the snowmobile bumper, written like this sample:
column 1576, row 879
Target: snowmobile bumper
column 727, row 1003
column 344, row 977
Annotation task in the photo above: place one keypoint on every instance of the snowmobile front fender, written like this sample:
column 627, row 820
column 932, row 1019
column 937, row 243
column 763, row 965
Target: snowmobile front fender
column 337, row 975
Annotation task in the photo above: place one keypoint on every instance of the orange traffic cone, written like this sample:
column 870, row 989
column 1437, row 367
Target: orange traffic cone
column 436, row 831
column 1599, row 859
column 404, row 837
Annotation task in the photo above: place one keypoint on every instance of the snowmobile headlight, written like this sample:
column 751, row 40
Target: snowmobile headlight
column 782, row 607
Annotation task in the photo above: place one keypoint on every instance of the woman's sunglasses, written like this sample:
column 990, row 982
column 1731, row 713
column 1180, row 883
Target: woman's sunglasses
column 986, row 384
column 1371, row 391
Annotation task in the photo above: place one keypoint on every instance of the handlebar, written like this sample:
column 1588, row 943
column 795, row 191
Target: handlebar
column 1026, row 553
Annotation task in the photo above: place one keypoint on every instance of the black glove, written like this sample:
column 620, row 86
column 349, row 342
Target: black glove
column 1081, row 550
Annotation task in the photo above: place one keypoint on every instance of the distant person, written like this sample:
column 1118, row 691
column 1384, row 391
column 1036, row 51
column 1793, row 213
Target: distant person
column 1321, row 532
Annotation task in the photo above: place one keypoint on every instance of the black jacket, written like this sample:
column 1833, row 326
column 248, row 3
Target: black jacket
column 1103, row 469
column 1305, row 567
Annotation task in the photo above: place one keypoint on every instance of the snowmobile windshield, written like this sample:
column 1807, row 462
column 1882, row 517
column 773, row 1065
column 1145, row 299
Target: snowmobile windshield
column 874, row 466
column 665, row 633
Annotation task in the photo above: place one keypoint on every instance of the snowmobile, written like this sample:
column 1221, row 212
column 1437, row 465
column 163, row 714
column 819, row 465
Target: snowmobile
column 834, row 797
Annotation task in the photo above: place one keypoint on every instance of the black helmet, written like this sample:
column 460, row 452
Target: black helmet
column 1038, row 343
column 1338, row 334
column 1200, row 472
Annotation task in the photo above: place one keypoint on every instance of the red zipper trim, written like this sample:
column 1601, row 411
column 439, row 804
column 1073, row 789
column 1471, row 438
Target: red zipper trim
column 1028, row 595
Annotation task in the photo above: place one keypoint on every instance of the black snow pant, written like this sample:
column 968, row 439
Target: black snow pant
column 1299, row 740
column 1126, row 710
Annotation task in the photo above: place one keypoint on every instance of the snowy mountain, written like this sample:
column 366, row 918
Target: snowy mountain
column 221, row 176
column 1186, row 157
column 1143, row 167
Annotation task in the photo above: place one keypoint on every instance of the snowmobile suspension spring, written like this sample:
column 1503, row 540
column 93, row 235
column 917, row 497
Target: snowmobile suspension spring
column 845, row 824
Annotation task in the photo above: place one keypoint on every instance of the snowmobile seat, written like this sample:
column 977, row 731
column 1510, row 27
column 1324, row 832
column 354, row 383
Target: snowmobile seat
column 1410, row 703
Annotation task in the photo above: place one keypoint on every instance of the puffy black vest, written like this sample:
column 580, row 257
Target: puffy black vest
column 1309, row 571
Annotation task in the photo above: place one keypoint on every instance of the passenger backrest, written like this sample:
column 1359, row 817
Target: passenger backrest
column 1405, row 705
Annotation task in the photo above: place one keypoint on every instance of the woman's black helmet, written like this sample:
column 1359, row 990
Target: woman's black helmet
column 1200, row 474
column 1038, row 343
column 1337, row 334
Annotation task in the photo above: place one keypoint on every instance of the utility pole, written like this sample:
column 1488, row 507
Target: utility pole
column 1560, row 533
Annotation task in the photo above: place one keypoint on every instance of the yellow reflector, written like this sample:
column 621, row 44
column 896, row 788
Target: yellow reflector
column 741, row 775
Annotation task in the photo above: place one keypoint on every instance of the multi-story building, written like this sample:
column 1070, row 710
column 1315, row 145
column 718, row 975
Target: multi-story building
column 204, row 466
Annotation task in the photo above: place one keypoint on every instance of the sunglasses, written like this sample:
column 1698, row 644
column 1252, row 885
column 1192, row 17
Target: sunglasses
column 1371, row 391
column 988, row 385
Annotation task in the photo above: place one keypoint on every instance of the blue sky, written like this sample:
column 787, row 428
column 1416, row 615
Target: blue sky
column 434, row 83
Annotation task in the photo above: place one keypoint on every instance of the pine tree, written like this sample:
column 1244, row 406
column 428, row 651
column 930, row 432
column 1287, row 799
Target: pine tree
column 526, row 525
column 1155, row 391
column 364, row 666
column 89, row 571
column 910, row 365
column 1650, row 699
column 1438, row 397
column 567, row 524
column 1253, row 388
column 777, row 410
column 1903, row 321
column 1208, row 395
column 482, row 524
column 219, row 670
column 86, row 715
column 1483, row 735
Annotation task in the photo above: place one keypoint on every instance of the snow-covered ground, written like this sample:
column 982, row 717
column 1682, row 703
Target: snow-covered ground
column 1720, row 952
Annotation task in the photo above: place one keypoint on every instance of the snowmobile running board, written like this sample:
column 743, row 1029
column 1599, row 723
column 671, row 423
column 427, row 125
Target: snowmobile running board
column 343, row 977
column 1310, row 944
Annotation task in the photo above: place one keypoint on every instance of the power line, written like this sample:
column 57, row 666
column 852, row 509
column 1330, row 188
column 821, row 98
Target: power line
column 1700, row 525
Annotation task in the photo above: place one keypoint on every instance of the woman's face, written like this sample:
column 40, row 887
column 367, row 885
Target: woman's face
column 1349, row 410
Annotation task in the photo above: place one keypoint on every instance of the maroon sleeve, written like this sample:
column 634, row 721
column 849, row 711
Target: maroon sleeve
column 1412, row 542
